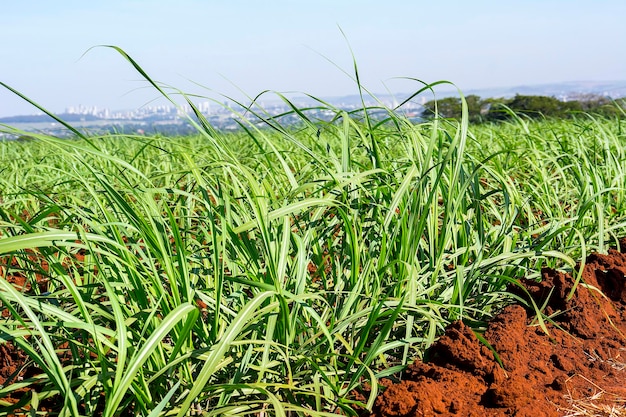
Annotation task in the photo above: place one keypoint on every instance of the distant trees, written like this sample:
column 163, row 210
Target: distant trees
column 533, row 107
column 491, row 109
column 450, row 107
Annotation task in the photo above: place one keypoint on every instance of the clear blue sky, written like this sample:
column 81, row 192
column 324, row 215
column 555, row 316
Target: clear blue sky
column 279, row 45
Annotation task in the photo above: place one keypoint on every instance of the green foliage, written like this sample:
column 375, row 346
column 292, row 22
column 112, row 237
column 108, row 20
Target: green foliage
column 533, row 107
column 494, row 109
column 451, row 107
column 281, row 271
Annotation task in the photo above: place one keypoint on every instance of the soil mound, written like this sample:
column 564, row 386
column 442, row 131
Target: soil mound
column 578, row 368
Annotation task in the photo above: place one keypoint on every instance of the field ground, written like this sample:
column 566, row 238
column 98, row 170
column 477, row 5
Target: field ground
column 298, row 270
column 576, row 368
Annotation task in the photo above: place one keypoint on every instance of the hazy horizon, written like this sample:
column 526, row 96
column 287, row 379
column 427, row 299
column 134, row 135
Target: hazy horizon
column 296, row 47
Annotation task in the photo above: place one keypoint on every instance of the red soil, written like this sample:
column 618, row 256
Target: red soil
column 580, row 366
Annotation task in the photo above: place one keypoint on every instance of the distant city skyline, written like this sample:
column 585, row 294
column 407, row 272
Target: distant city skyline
column 293, row 46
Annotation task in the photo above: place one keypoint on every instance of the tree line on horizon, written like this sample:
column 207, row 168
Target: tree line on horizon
column 535, row 107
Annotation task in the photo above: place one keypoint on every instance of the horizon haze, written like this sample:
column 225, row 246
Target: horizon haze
column 240, row 49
